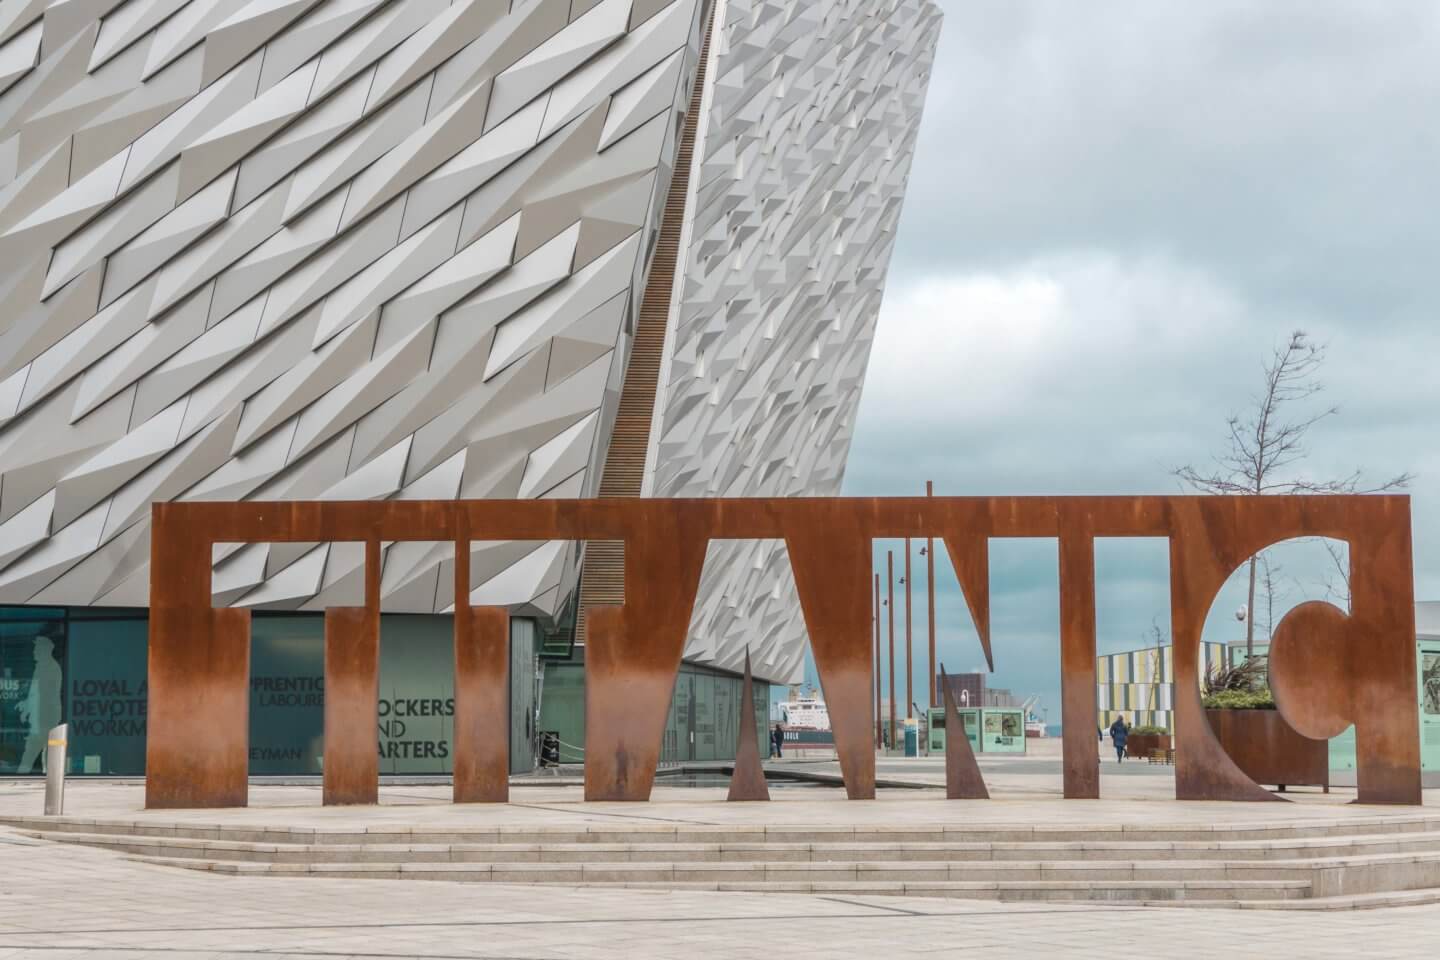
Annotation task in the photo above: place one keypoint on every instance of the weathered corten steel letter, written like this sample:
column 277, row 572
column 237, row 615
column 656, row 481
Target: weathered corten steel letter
column 632, row 652
column 197, row 718
column 482, row 691
column 1077, row 658
column 1356, row 669
column 1328, row 669
column 352, row 693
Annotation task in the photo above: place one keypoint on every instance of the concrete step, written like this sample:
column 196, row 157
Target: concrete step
column 764, row 881
column 1328, row 877
column 1347, row 876
column 1407, row 825
column 1350, row 864
column 1275, row 892
column 1098, row 852
column 1368, row 901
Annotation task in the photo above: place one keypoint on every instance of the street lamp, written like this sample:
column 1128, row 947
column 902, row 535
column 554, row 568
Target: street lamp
column 909, row 649
column 879, row 719
column 928, row 552
column 890, row 602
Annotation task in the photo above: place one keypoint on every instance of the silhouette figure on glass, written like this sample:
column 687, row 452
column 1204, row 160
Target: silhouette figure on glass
column 41, row 709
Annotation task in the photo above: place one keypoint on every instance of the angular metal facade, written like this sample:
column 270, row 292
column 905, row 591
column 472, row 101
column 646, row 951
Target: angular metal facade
column 810, row 129
column 356, row 249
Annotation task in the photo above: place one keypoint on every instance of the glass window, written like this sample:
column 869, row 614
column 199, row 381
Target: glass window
column 287, row 694
column 562, row 708
column 970, row 719
column 727, row 716
column 32, row 691
column 685, row 716
column 761, row 694
column 417, row 693
column 106, row 680
column 703, row 711
column 670, row 746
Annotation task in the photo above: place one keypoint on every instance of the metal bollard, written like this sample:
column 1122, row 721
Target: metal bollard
column 55, row 771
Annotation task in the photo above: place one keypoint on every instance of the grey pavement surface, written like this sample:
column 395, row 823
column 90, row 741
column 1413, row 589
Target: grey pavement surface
column 60, row 901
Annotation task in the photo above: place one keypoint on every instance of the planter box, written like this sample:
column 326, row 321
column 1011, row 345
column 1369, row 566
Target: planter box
column 1269, row 750
column 1139, row 745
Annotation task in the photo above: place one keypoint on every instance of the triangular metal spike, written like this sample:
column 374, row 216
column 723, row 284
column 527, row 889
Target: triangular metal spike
column 747, row 781
column 963, row 780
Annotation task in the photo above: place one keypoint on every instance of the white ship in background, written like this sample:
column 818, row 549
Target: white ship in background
column 1034, row 722
column 805, row 713
column 808, row 712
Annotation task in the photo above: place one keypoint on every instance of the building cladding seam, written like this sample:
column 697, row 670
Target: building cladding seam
column 807, row 145
column 357, row 249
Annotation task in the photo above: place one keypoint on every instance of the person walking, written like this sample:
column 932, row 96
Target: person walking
column 777, row 740
column 1119, row 733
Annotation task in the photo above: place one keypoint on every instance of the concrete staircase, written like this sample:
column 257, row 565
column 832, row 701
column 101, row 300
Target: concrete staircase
column 1344, row 864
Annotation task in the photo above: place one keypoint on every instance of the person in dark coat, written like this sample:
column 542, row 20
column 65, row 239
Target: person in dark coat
column 777, row 740
column 1119, row 733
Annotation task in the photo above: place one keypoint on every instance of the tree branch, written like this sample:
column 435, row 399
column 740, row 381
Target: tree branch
column 1263, row 447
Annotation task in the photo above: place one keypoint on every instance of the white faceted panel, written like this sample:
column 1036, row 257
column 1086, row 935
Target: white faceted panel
column 807, row 138
column 317, row 249
column 356, row 249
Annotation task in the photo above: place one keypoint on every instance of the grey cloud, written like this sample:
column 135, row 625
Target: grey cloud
column 1115, row 211
column 1259, row 140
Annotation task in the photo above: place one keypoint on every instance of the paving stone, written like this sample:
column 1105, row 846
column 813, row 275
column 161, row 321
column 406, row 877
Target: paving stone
column 217, row 908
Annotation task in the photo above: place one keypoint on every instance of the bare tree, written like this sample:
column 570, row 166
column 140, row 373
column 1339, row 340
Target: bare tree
column 1336, row 580
column 1269, row 582
column 1266, row 445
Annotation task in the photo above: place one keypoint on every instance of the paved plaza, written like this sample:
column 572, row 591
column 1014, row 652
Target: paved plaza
column 62, row 900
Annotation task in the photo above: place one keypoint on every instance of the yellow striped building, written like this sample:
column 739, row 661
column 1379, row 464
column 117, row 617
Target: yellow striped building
column 1140, row 684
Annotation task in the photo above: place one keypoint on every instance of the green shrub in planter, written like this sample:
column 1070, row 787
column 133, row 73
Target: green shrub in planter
column 1261, row 699
column 1149, row 730
column 1239, row 687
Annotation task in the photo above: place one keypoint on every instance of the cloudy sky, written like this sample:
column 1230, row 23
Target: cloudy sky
column 1116, row 211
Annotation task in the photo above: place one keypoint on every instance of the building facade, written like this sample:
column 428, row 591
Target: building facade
column 423, row 249
column 1139, row 685
column 973, row 690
